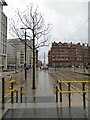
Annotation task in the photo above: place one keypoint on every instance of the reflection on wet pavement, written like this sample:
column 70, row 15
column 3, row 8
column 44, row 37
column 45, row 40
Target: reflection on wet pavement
column 46, row 113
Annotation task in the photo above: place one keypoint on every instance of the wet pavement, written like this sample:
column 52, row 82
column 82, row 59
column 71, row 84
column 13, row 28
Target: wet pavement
column 40, row 103
column 81, row 70
column 46, row 113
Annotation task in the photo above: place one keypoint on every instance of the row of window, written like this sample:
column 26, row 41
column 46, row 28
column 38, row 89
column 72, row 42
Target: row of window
column 65, row 59
column 3, row 18
column 2, row 48
column 3, row 29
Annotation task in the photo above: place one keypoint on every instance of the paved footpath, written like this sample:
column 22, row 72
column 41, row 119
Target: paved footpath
column 40, row 103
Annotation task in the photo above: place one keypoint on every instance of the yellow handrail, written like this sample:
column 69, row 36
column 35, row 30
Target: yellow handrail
column 9, row 100
column 14, row 81
column 73, row 91
column 20, row 91
column 74, row 81
column 58, row 88
column 12, row 90
column 7, row 94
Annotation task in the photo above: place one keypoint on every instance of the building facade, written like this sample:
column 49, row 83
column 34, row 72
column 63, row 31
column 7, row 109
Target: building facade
column 16, row 54
column 68, row 54
column 3, row 36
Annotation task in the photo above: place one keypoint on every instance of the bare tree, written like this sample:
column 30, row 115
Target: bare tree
column 38, row 31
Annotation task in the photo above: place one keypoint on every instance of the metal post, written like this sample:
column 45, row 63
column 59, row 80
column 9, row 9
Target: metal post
column 15, row 61
column 56, row 93
column 60, row 85
column 33, row 83
column 16, row 96
column 69, row 95
column 25, row 59
column 21, row 95
column 3, row 92
column 83, row 87
column 25, row 54
column 11, row 92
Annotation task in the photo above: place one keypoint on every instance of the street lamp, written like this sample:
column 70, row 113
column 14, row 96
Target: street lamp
column 14, row 45
column 55, row 63
column 25, row 54
column 33, row 84
column 83, row 56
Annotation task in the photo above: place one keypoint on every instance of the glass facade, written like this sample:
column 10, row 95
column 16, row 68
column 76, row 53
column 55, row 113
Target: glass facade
column 3, row 37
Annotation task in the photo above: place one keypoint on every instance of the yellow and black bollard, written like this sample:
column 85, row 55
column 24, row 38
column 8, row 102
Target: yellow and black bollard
column 16, row 96
column 56, row 93
column 21, row 94
column 12, row 92
column 83, row 87
column 60, row 85
column 69, row 96
column 3, row 93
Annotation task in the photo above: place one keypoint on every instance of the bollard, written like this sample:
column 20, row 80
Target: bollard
column 83, row 87
column 56, row 93
column 60, row 85
column 3, row 93
column 16, row 96
column 12, row 92
column 69, row 95
column 21, row 95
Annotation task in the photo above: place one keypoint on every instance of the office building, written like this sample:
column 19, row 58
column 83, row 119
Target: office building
column 16, row 54
column 3, row 36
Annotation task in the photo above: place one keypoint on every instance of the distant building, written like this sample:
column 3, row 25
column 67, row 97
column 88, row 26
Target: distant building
column 68, row 54
column 39, row 63
column 16, row 53
column 3, row 36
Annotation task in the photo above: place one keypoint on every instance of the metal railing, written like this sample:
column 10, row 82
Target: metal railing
column 58, row 89
column 11, row 93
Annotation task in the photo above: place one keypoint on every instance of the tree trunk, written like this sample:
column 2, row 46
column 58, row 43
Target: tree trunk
column 33, row 85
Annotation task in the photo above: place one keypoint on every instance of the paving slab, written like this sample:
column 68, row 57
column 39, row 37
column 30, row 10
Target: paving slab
column 64, row 112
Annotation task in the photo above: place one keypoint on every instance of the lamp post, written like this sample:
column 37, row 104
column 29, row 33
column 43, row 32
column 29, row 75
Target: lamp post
column 83, row 55
column 14, row 45
column 55, row 62
column 25, row 55
column 33, row 84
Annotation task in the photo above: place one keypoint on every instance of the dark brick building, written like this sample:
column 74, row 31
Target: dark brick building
column 68, row 54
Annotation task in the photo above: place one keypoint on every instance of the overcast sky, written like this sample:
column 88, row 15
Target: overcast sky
column 69, row 19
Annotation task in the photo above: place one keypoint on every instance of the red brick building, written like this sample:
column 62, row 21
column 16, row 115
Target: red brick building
column 68, row 54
